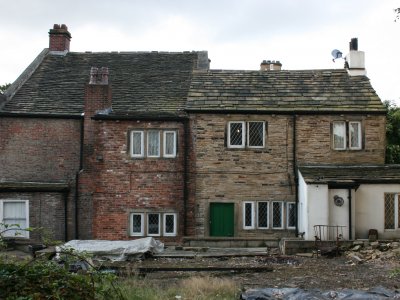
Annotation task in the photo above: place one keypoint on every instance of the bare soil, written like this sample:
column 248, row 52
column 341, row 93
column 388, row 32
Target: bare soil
column 287, row 271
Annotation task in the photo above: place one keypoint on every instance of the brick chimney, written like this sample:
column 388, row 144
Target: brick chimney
column 59, row 38
column 355, row 60
column 97, row 92
column 97, row 102
column 269, row 65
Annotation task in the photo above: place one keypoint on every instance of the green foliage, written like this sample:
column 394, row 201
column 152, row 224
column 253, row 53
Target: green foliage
column 392, row 133
column 4, row 87
column 43, row 279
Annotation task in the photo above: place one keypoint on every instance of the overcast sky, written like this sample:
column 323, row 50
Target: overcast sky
column 238, row 34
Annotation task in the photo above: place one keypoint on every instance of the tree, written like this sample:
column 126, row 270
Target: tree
column 4, row 87
column 397, row 12
column 392, row 133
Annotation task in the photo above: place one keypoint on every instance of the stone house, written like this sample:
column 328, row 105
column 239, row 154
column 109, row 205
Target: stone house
column 123, row 145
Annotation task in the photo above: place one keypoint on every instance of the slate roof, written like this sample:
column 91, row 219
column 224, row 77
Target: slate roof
column 282, row 91
column 324, row 174
column 141, row 82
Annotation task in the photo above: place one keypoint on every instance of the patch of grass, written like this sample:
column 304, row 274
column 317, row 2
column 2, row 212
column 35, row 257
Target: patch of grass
column 194, row 288
column 394, row 273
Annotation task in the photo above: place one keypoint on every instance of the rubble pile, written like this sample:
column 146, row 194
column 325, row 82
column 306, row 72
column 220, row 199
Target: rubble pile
column 372, row 251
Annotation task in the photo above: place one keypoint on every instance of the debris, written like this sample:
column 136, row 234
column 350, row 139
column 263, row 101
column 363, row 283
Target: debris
column 114, row 250
column 355, row 258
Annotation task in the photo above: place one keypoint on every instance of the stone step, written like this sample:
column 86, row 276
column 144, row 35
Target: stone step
column 226, row 242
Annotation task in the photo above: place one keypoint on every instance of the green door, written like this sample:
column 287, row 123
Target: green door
column 221, row 219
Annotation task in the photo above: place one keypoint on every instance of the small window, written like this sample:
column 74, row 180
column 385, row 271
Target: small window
column 137, row 223
column 236, row 135
column 339, row 135
column 137, row 143
column 256, row 133
column 153, row 224
column 153, row 143
column 355, row 135
column 392, row 211
column 262, row 214
column 277, row 215
column 248, row 215
column 15, row 212
column 169, row 224
column 291, row 215
column 169, row 143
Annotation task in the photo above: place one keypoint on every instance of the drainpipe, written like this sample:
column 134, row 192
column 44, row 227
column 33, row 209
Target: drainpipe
column 66, row 216
column 77, row 179
column 185, row 173
column 350, row 231
column 296, row 179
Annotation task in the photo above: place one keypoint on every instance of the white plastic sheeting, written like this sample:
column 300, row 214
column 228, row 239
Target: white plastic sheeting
column 114, row 250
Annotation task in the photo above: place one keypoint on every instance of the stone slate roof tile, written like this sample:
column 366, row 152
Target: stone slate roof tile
column 141, row 82
column 284, row 90
column 324, row 174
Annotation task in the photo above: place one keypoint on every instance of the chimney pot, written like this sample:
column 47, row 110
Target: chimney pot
column 99, row 76
column 270, row 65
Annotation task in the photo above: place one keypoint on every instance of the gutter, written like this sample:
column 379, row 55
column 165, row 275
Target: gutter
column 287, row 112
column 40, row 115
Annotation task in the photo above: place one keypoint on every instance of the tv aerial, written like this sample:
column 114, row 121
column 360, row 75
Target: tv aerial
column 336, row 54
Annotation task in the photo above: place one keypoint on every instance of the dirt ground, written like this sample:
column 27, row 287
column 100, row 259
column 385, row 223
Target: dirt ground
column 287, row 271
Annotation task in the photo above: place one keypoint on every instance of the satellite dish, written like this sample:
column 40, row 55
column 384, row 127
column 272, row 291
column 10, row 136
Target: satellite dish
column 336, row 54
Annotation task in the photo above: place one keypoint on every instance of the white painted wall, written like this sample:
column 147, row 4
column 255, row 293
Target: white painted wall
column 339, row 215
column 302, row 207
column 313, row 207
column 370, row 210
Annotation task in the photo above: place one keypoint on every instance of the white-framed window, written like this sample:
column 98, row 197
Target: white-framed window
column 277, row 214
column 346, row 135
column 169, row 143
column 355, row 135
column 256, row 134
column 137, row 224
column 392, row 211
column 137, row 143
column 339, row 135
column 263, row 214
column 169, row 224
column 236, row 134
column 248, row 215
column 15, row 212
column 249, row 134
column 153, row 223
column 290, row 215
column 153, row 143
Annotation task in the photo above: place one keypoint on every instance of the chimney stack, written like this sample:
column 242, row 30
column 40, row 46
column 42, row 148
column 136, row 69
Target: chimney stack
column 268, row 65
column 355, row 60
column 60, row 38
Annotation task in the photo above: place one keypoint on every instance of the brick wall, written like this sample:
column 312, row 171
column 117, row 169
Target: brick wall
column 119, row 184
column 42, row 150
column 33, row 149
column 46, row 214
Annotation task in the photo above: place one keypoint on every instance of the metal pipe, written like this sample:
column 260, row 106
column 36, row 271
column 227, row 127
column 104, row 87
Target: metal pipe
column 350, row 220
column 296, row 179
